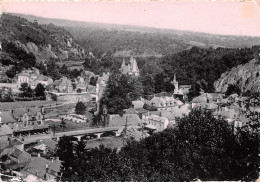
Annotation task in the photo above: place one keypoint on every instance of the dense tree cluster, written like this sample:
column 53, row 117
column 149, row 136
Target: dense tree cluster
column 120, row 92
column 80, row 108
column 17, row 57
column 198, row 64
column 201, row 146
column 38, row 92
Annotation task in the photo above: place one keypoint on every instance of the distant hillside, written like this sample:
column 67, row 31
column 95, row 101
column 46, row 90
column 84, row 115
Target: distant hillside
column 43, row 41
column 246, row 76
column 125, row 40
column 206, row 65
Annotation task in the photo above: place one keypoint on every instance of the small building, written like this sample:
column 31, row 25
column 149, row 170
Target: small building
column 165, row 103
column 43, row 169
column 24, row 121
column 156, row 122
column 62, row 85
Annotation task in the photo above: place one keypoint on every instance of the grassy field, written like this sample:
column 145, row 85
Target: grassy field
column 60, row 110
column 15, row 105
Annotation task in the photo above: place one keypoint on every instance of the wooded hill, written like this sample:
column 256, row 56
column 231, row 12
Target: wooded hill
column 126, row 40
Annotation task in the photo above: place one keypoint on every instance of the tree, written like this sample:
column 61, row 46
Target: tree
column 78, row 90
column 148, row 84
column 159, row 83
column 53, row 70
column 93, row 81
column 66, row 155
column 63, row 123
column 194, row 91
column 80, row 108
column 169, row 87
column 26, row 90
column 116, row 96
column 136, row 88
column 64, row 70
column 54, row 97
column 40, row 91
column 233, row 89
column 6, row 95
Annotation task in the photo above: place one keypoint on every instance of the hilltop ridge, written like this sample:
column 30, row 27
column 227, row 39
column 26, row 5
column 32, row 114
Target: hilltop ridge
column 138, row 41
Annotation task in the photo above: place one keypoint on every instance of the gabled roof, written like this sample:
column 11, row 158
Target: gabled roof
column 16, row 142
column 19, row 112
column 43, row 78
column 199, row 99
column 7, row 117
column 130, row 111
column 5, row 130
column 33, row 111
column 37, row 166
column 138, row 104
column 56, row 82
column 16, row 153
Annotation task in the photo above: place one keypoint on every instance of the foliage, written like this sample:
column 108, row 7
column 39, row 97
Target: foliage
column 54, row 97
column 201, row 146
column 233, row 89
column 196, row 89
column 93, row 81
column 80, row 108
column 78, row 90
column 195, row 64
column 26, row 90
column 6, row 95
column 120, row 92
column 39, row 90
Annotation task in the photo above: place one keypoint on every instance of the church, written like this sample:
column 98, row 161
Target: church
column 180, row 91
column 131, row 68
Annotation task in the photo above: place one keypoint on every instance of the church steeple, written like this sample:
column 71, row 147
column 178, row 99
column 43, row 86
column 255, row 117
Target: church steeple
column 131, row 69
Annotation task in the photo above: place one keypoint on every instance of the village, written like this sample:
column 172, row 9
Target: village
column 29, row 135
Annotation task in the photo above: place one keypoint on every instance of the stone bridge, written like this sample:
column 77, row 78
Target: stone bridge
column 93, row 131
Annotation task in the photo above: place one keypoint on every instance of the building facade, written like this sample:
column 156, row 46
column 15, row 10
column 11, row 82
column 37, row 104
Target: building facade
column 131, row 68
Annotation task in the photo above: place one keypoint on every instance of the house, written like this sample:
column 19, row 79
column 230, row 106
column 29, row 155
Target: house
column 19, row 156
column 130, row 69
column 126, row 119
column 82, row 86
column 43, row 169
column 46, row 146
column 44, row 80
column 86, row 75
column 62, row 85
column 165, row 103
column 33, row 77
column 155, row 122
column 24, row 121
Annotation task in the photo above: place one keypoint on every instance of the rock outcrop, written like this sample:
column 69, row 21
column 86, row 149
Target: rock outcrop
column 246, row 76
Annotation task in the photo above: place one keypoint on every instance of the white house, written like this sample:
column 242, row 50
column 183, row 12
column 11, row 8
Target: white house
column 155, row 122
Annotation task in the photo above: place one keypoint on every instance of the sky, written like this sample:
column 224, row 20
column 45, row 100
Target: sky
column 217, row 17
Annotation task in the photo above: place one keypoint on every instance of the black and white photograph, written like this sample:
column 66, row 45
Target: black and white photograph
column 129, row 91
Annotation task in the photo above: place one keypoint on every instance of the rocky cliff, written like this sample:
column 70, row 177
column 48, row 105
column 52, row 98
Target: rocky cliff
column 246, row 76
column 44, row 41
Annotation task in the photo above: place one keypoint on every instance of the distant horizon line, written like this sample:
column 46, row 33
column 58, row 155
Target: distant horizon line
column 130, row 25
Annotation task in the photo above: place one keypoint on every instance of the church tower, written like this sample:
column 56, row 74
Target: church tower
column 175, row 83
